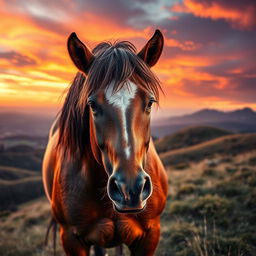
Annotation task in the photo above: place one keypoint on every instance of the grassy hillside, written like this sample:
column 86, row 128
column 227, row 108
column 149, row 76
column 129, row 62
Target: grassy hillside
column 188, row 137
column 210, row 211
column 22, row 232
column 230, row 145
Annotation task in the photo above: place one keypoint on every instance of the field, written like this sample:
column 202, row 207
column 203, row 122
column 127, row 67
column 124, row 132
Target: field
column 211, row 207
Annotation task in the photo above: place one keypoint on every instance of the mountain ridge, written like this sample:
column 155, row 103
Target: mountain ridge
column 239, row 120
column 212, row 114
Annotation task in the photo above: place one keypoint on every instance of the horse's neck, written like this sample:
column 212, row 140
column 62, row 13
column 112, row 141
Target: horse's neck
column 81, row 174
column 94, row 170
column 91, row 161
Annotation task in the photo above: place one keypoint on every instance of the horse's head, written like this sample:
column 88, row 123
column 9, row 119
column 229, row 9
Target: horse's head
column 119, row 92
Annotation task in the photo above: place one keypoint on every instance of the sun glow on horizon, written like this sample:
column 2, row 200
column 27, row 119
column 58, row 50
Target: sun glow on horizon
column 197, row 69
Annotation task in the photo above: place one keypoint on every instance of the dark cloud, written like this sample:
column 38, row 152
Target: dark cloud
column 123, row 12
column 239, row 88
column 51, row 14
column 17, row 59
column 60, row 11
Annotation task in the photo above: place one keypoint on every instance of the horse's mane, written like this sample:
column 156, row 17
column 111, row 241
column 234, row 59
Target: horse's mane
column 113, row 63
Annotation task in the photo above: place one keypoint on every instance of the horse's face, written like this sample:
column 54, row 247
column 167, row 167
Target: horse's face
column 120, row 132
column 120, row 122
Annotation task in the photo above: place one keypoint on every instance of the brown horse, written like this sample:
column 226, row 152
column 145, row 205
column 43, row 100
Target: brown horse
column 101, row 173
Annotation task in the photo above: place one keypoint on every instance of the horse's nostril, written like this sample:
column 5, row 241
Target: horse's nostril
column 114, row 190
column 147, row 188
column 130, row 194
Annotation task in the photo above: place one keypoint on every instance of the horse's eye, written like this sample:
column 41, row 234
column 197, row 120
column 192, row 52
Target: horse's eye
column 149, row 105
column 93, row 106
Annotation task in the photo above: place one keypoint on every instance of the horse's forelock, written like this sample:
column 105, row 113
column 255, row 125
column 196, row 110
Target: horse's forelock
column 117, row 62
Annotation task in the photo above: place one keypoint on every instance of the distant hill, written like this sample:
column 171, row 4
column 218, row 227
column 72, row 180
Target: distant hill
column 25, row 140
column 212, row 115
column 242, row 120
column 25, row 124
column 22, row 156
column 11, row 173
column 18, row 186
column 228, row 145
column 188, row 137
column 19, row 191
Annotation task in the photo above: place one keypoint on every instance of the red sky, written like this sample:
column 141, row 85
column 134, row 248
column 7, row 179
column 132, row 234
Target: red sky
column 208, row 59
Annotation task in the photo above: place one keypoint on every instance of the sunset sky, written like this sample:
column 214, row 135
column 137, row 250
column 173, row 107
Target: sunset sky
column 209, row 59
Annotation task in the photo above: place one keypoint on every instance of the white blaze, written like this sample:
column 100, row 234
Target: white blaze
column 121, row 100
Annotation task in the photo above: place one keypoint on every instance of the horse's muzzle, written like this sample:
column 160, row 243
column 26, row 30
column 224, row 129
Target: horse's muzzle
column 123, row 209
column 129, row 196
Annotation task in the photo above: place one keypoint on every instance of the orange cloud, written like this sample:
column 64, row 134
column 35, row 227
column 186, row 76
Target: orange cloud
column 185, row 46
column 241, row 18
column 34, row 60
column 93, row 28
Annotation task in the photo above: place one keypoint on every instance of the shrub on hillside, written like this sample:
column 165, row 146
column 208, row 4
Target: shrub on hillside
column 181, row 166
column 208, row 205
column 252, row 161
column 186, row 189
column 213, row 206
column 209, row 172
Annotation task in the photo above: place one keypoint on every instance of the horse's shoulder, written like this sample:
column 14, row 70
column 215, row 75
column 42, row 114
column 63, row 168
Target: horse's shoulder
column 157, row 172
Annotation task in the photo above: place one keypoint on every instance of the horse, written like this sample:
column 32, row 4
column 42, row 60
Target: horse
column 101, row 173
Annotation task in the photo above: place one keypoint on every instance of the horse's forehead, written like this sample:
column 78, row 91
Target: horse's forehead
column 121, row 100
column 123, row 96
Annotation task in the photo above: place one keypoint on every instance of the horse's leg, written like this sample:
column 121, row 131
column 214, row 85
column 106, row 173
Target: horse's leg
column 119, row 250
column 99, row 251
column 147, row 245
column 72, row 245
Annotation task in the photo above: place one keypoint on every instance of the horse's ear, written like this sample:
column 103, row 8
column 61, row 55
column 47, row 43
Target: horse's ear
column 79, row 53
column 151, row 52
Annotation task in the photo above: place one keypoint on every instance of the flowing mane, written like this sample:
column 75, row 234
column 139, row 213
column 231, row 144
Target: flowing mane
column 113, row 62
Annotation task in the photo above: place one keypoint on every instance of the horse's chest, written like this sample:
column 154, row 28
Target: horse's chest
column 109, row 232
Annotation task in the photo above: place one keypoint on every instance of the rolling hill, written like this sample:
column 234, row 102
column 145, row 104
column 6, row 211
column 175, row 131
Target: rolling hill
column 19, row 191
column 22, row 156
column 225, row 145
column 10, row 173
column 188, row 137
column 18, row 186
